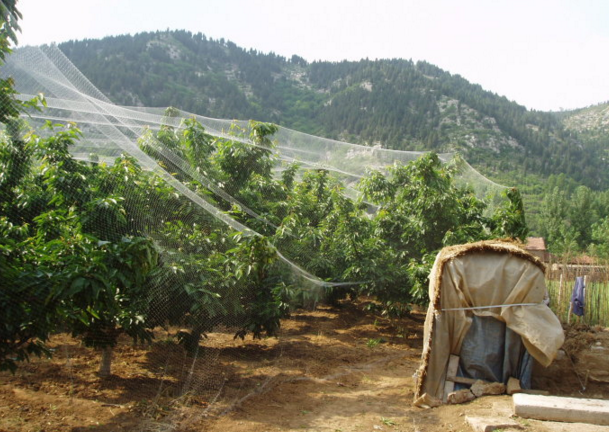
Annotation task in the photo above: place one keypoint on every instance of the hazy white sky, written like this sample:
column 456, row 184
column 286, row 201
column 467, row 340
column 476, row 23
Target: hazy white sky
column 544, row 54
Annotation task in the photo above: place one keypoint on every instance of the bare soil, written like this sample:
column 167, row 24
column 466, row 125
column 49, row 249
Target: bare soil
column 330, row 369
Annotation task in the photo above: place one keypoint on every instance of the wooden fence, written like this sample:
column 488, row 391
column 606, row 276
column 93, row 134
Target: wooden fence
column 560, row 280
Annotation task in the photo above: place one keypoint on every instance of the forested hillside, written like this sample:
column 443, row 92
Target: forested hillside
column 399, row 104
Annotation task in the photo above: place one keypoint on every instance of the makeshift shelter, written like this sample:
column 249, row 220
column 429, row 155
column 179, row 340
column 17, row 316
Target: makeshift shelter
column 487, row 307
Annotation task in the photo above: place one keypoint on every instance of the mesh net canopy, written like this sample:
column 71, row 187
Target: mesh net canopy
column 165, row 227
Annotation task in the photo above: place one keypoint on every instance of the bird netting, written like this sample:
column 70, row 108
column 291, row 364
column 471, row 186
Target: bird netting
column 164, row 227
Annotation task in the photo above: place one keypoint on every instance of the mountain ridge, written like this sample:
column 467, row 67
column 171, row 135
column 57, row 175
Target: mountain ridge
column 396, row 103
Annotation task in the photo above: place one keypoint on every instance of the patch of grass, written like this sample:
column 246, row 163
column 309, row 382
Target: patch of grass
column 388, row 422
column 373, row 343
column 402, row 332
column 367, row 379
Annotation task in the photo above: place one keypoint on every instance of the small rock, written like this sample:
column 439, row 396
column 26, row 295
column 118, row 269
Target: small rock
column 481, row 388
column 460, row 396
column 513, row 386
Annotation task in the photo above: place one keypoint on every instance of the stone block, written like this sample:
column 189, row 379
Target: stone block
column 460, row 396
column 482, row 388
column 513, row 386
column 490, row 424
column 564, row 409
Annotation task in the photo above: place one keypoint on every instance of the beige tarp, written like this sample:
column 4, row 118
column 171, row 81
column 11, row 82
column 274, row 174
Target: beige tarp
column 484, row 274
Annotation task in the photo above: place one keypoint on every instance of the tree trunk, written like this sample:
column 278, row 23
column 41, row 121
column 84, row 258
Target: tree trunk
column 106, row 362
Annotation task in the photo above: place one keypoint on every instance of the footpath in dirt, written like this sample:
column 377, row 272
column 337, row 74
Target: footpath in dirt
column 330, row 369
column 354, row 372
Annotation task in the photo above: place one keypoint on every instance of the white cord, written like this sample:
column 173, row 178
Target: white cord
column 491, row 307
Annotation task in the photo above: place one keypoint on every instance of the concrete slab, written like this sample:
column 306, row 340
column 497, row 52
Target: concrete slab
column 490, row 424
column 554, row 408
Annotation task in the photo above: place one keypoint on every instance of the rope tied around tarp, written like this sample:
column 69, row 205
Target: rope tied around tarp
column 491, row 307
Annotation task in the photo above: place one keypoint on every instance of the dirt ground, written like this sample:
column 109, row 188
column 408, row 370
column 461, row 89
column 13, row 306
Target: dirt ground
column 331, row 369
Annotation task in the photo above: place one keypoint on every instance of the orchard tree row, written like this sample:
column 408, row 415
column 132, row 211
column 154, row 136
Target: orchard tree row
column 99, row 250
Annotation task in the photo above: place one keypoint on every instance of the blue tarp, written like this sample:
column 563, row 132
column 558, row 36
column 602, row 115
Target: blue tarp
column 493, row 352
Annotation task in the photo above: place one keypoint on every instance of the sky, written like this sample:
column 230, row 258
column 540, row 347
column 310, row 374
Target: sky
column 547, row 55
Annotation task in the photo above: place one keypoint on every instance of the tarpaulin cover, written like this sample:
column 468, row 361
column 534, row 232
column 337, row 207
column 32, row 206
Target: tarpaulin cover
column 478, row 275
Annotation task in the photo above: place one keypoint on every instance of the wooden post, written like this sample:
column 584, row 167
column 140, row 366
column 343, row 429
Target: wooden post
column 570, row 310
column 585, row 317
column 451, row 373
column 560, row 295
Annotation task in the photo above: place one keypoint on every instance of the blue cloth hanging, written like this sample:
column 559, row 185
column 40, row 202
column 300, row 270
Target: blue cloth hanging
column 578, row 295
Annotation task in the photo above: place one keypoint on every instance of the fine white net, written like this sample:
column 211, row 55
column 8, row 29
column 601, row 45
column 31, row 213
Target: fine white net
column 186, row 220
